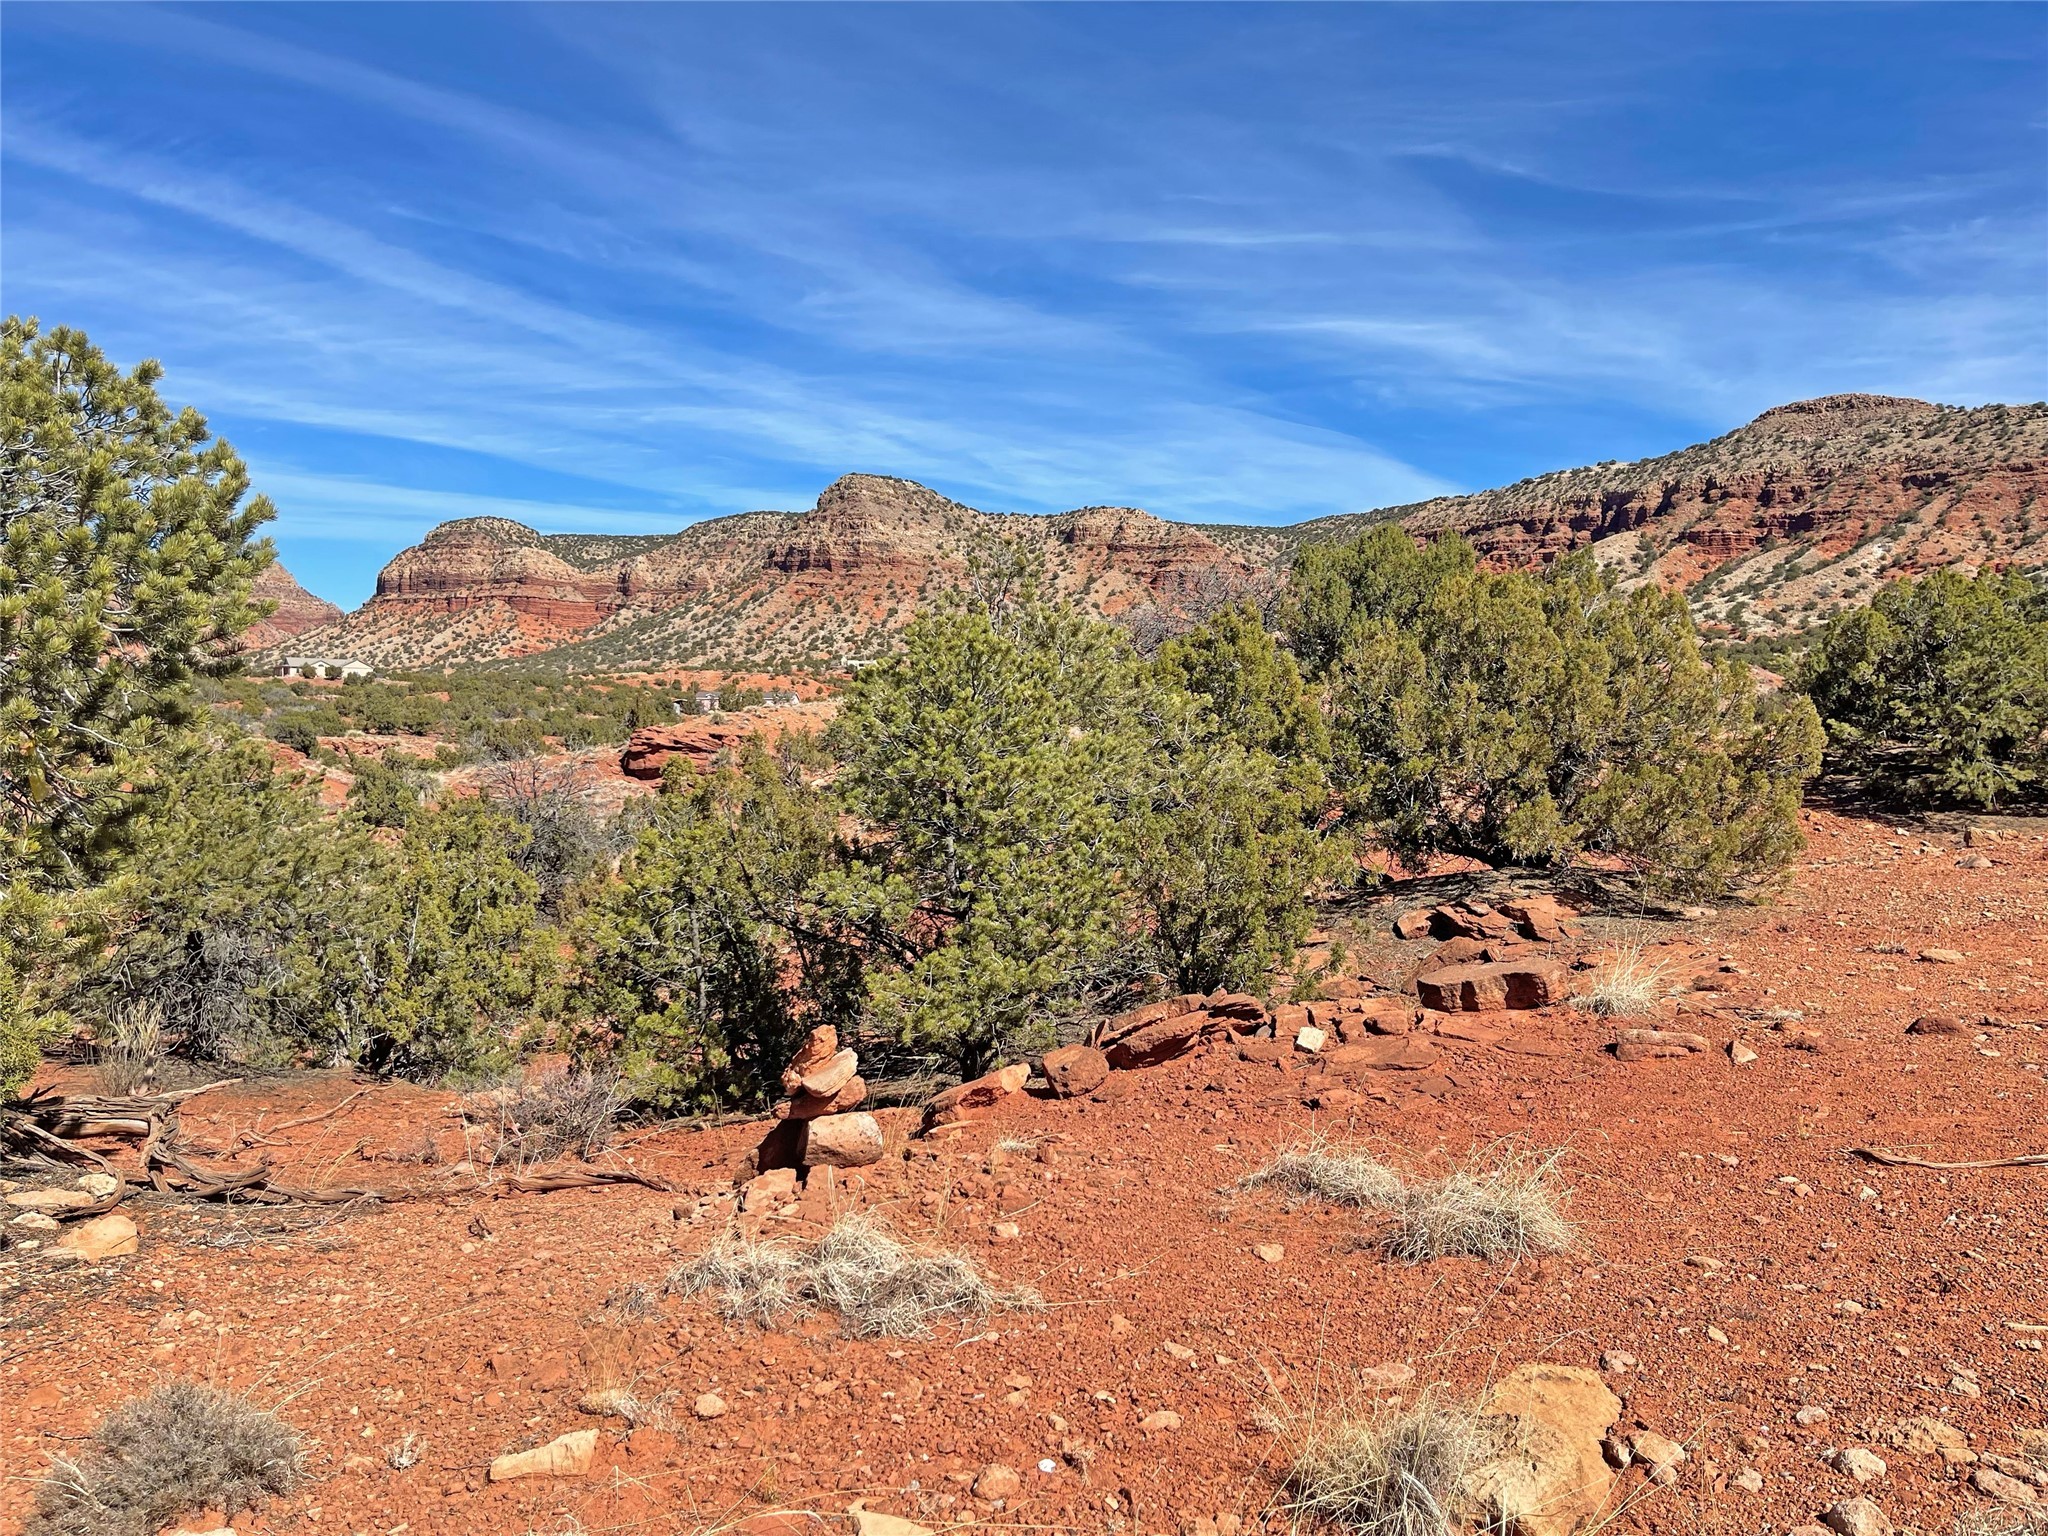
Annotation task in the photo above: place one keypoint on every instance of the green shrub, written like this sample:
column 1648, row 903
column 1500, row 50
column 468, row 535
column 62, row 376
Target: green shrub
column 709, row 953
column 1513, row 717
column 1937, row 689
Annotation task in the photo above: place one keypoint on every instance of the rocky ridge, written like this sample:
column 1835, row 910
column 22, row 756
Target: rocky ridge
column 297, row 612
column 1805, row 510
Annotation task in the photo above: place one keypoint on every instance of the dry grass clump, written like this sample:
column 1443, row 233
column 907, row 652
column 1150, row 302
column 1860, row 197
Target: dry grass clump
column 614, row 1340
column 132, row 1051
column 1626, row 987
column 878, row 1284
column 181, row 1448
column 1504, row 1204
column 1392, row 1470
column 550, row 1115
column 1336, row 1175
column 2001, row 1522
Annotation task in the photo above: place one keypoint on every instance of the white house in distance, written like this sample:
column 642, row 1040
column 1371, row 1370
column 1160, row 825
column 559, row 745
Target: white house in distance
column 321, row 666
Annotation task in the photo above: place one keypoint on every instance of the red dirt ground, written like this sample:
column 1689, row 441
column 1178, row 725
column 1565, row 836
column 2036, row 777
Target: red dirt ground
column 459, row 1322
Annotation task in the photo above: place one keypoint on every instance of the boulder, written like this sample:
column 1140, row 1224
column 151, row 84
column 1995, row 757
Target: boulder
column 1473, row 920
column 971, row 1100
column 1117, row 1026
column 1856, row 1517
column 769, row 1191
column 568, row 1456
column 1073, row 1070
column 1553, row 1479
column 1375, row 1016
column 1532, row 983
column 842, row 1141
column 104, row 1237
column 1239, row 1010
column 1458, row 951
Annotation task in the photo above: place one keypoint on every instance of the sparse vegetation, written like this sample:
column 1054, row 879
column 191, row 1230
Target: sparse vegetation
column 183, row 1447
column 1387, row 1469
column 1503, row 1204
column 1336, row 1175
column 878, row 1284
column 1625, row 985
column 551, row 1114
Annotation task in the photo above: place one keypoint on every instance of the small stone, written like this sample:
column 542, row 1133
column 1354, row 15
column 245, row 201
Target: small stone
column 35, row 1221
column 771, row 1191
column 1716, row 1336
column 1749, row 1480
column 1997, row 1485
column 1973, row 861
column 1856, row 1517
column 1617, row 1362
column 1809, row 1416
column 566, row 1456
column 1162, row 1422
column 104, row 1237
column 1311, row 1040
column 1942, row 956
column 1007, row 1231
column 1272, row 1253
column 997, row 1482
column 710, row 1406
column 98, row 1185
column 1854, row 1461
column 1178, row 1351
column 1394, row 1373
column 1740, row 1053
column 1658, row 1451
column 52, row 1200
column 1937, row 1024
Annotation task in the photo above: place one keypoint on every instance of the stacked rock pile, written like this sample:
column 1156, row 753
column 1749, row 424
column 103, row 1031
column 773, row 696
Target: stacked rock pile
column 821, row 1124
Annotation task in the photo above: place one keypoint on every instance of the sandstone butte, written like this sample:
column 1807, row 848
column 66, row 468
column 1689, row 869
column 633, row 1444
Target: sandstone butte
column 1804, row 510
column 296, row 611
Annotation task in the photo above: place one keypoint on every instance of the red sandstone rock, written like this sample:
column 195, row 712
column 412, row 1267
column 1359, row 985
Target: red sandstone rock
column 1533, row 983
column 969, row 1101
column 1073, row 1070
column 842, row 1141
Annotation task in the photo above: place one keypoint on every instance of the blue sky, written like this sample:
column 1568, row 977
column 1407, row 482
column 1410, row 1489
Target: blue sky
column 623, row 268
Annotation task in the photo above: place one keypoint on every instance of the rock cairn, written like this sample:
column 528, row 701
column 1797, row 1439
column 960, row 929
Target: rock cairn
column 820, row 1124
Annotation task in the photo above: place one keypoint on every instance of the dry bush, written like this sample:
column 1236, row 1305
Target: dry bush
column 878, row 1284
column 1503, row 1204
column 1626, row 987
column 1334, row 1174
column 129, row 1058
column 550, row 1115
column 1388, row 1469
column 181, row 1448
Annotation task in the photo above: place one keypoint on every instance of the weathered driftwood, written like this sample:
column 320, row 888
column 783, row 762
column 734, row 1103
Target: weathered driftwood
column 1901, row 1160
column 168, row 1162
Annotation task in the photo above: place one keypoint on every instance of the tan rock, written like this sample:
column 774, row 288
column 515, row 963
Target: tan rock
column 770, row 1191
column 1310, row 1040
column 568, row 1455
column 843, row 1141
column 1553, row 1481
column 869, row 1522
column 104, row 1237
column 52, row 1200
column 997, row 1482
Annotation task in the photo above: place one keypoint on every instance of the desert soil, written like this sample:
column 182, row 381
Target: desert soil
column 1730, row 1245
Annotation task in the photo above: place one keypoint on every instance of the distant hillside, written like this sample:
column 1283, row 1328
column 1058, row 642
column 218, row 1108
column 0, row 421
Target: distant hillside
column 298, row 611
column 1767, row 528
